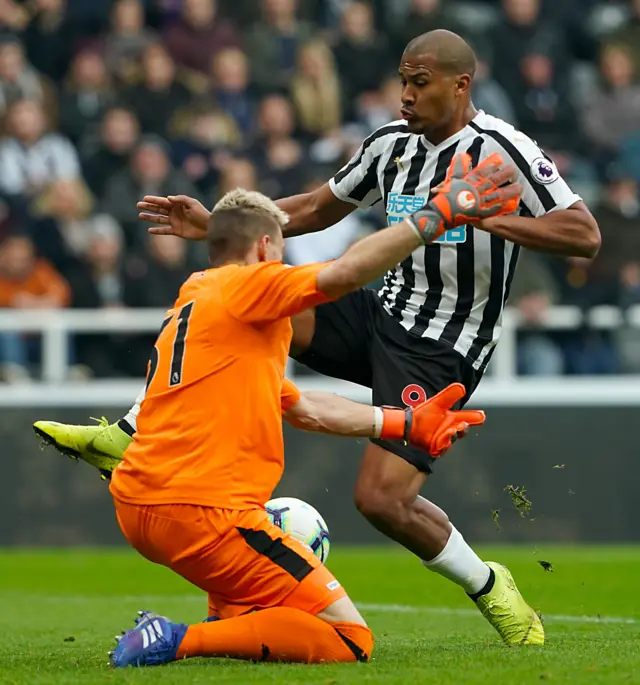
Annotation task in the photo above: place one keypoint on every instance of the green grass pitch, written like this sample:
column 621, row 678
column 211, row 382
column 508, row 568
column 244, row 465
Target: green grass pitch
column 60, row 609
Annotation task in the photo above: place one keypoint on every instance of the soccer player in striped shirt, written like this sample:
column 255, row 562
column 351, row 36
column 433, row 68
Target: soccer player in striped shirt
column 438, row 316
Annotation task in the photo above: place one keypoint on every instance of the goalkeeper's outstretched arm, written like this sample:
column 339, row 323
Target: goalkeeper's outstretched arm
column 431, row 426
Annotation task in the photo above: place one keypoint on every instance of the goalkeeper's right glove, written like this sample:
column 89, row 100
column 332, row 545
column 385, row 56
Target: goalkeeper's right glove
column 432, row 425
column 468, row 196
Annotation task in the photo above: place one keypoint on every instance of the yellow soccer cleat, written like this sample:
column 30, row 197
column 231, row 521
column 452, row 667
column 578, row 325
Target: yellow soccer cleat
column 506, row 610
column 102, row 446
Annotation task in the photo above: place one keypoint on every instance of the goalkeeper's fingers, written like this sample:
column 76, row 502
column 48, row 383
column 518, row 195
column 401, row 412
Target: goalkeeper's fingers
column 472, row 417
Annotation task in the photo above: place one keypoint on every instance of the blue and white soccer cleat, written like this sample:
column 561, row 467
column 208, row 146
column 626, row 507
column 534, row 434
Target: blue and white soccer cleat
column 154, row 641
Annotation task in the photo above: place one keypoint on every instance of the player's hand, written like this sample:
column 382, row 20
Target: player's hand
column 179, row 215
column 468, row 195
column 433, row 425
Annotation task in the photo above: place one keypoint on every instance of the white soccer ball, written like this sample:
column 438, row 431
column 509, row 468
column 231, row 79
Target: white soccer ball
column 302, row 522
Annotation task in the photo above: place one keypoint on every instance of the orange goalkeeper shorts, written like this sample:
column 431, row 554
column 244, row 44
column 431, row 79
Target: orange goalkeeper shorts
column 239, row 558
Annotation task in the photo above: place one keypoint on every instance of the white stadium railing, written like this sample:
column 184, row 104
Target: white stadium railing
column 503, row 387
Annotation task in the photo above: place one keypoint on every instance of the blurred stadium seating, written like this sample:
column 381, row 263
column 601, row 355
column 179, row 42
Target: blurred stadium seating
column 102, row 102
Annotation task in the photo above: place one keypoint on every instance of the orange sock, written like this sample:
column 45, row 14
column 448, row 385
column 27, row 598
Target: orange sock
column 278, row 634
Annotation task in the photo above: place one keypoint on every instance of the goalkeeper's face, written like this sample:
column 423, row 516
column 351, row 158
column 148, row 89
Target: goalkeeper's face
column 431, row 96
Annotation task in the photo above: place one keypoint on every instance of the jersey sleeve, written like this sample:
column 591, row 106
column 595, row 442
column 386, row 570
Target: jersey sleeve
column 290, row 395
column 544, row 190
column 357, row 182
column 271, row 290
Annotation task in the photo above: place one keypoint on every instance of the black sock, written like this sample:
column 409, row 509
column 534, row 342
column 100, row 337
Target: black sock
column 488, row 586
column 125, row 426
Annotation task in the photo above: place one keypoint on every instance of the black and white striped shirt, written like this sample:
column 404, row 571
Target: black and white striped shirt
column 453, row 290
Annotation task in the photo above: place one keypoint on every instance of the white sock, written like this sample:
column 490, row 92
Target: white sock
column 459, row 563
column 131, row 417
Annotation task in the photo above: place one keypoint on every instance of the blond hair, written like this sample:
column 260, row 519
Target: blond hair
column 239, row 219
column 252, row 201
column 318, row 102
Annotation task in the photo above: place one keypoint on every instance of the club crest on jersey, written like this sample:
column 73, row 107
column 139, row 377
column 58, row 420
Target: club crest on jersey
column 400, row 206
column 544, row 171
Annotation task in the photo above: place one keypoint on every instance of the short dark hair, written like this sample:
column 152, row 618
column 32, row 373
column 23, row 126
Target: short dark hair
column 239, row 219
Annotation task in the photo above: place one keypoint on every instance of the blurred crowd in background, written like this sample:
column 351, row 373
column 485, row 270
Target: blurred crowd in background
column 102, row 102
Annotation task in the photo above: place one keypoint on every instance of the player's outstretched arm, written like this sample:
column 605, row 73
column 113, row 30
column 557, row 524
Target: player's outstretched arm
column 432, row 426
column 187, row 218
column 468, row 195
column 312, row 212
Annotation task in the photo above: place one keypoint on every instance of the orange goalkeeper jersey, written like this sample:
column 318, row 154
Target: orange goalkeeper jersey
column 210, row 426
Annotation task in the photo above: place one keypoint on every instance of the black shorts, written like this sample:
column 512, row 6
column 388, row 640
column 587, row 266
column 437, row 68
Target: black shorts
column 356, row 340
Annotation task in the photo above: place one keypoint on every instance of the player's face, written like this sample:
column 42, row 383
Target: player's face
column 430, row 97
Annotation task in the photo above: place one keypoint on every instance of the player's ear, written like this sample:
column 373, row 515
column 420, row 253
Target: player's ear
column 463, row 83
column 263, row 248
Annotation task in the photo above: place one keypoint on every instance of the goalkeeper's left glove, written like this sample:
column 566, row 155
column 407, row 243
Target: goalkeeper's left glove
column 432, row 425
column 468, row 195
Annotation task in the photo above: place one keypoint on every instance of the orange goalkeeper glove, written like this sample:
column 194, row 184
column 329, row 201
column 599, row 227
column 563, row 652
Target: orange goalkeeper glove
column 432, row 426
column 467, row 196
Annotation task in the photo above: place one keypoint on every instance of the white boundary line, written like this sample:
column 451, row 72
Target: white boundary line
column 145, row 601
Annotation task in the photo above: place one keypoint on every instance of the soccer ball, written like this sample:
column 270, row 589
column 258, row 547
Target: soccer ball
column 302, row 522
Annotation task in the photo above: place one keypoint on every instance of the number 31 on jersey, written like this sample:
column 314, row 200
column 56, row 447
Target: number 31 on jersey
column 177, row 348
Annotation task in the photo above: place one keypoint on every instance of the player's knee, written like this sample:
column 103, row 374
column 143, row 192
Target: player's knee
column 379, row 505
column 359, row 639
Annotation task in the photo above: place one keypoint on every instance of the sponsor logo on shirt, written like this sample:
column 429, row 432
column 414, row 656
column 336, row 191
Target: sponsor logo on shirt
column 400, row 206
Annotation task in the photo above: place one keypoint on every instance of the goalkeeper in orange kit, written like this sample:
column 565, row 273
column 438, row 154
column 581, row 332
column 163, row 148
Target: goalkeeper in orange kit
column 191, row 489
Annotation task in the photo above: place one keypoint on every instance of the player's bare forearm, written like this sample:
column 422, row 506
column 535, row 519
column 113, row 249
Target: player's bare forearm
column 322, row 412
column 368, row 259
column 312, row 212
column 569, row 232
column 431, row 426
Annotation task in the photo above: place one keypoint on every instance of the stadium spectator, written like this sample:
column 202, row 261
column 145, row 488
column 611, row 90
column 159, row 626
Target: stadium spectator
column 611, row 112
column 628, row 35
column 199, row 33
column 127, row 40
column 230, row 80
column 119, row 132
column 278, row 154
column 421, row 16
column 31, row 157
column 205, row 138
column 99, row 281
column 156, row 280
column 238, row 173
column 586, row 350
column 276, row 120
column 272, row 44
column 50, row 38
column 490, row 96
column 62, row 219
column 381, row 106
column 85, row 96
column 361, row 53
column 618, row 215
column 533, row 292
column 18, row 79
column 149, row 173
column 315, row 90
column 26, row 282
column 619, row 261
column 522, row 30
column 160, row 94
column 14, row 17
